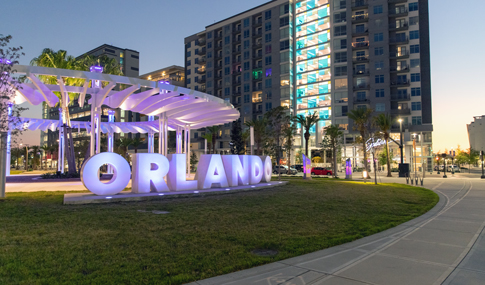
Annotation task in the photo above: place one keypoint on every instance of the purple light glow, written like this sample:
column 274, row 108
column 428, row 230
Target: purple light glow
column 96, row 69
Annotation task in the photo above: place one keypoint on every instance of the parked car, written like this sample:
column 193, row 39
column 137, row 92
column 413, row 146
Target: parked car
column 454, row 168
column 321, row 171
column 440, row 167
column 298, row 167
column 284, row 170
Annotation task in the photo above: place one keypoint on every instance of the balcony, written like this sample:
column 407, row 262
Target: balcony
column 361, row 86
column 361, row 101
column 218, row 36
column 236, row 31
column 201, row 70
column 218, row 56
column 237, row 71
column 400, row 83
column 398, row 40
column 257, row 34
column 237, row 49
column 236, row 81
column 202, row 80
column 258, row 111
column 202, row 41
column 258, row 23
column 398, row 12
column 359, row 59
column 400, row 97
column 217, row 77
column 257, row 44
column 218, row 46
column 358, row 73
column 405, row 111
column 258, row 88
column 360, row 18
column 360, row 32
column 257, row 55
column 359, row 4
column 398, row 55
column 202, row 60
column 398, row 26
column 399, row 69
column 236, row 40
column 202, row 51
column 236, row 92
column 257, row 99
column 236, row 60
column 360, row 45
column 258, row 65
column 396, row 1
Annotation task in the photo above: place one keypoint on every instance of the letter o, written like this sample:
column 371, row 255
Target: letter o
column 121, row 176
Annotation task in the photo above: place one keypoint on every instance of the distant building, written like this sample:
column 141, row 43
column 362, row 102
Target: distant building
column 476, row 133
column 175, row 75
column 129, row 61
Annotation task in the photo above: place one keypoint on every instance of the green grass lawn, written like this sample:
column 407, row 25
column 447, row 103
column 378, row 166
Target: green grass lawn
column 45, row 242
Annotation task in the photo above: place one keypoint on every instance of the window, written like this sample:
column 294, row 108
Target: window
column 246, row 98
column 285, row 21
column 246, row 34
column 227, row 91
column 378, row 9
column 246, row 87
column 340, row 31
column 269, row 95
column 269, row 106
column 416, row 91
column 284, row 45
column 209, row 64
column 135, row 56
column 209, row 83
column 339, row 4
column 209, row 35
column 268, row 72
column 340, row 43
column 221, row 144
column 417, row 120
column 209, row 54
column 196, row 61
column 196, row 79
column 284, row 9
column 378, row 51
column 340, row 57
column 188, row 63
column 196, row 88
column 379, row 78
column 246, row 44
column 246, row 22
column 341, row 71
column 267, row 49
column 415, row 77
column 413, row 21
column 247, row 76
column 361, row 96
column 378, row 37
column 267, row 38
column 188, row 54
column 341, row 84
column 380, row 107
column 379, row 65
column 188, row 45
column 379, row 93
column 340, row 17
column 227, row 70
column 378, row 23
column 414, row 35
column 267, row 26
column 416, row 106
column 246, row 55
column 188, row 80
column 267, row 15
column 414, row 48
column 267, row 83
column 209, row 45
column 227, row 60
column 413, row 6
column 414, row 63
column 188, row 72
column 196, row 51
column 246, row 66
column 267, row 60
column 209, row 74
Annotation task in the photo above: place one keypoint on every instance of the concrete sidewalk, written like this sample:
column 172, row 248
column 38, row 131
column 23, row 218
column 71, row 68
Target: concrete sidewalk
column 444, row 246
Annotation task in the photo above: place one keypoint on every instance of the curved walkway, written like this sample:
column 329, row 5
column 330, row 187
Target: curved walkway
column 444, row 246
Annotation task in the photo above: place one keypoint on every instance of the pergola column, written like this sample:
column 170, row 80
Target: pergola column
column 151, row 137
column 161, row 137
column 187, row 146
column 111, row 119
column 60, row 156
column 179, row 140
column 9, row 140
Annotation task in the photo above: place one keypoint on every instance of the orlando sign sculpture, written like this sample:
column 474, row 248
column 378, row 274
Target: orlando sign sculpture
column 150, row 169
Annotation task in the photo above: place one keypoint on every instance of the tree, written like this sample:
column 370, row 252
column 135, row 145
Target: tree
column 9, row 113
column 277, row 119
column 136, row 143
column 260, row 134
column 35, row 150
column 236, row 138
column 384, row 123
column 362, row 118
column 122, row 147
column 289, row 132
column 208, row 138
column 245, row 137
column 214, row 131
column 53, row 149
column 307, row 123
column 45, row 149
column 193, row 161
column 332, row 143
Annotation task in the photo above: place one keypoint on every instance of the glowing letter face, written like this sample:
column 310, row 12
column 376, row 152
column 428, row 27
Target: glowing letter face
column 267, row 168
column 176, row 175
column 148, row 172
column 121, row 176
column 237, row 169
column 255, row 169
column 211, row 171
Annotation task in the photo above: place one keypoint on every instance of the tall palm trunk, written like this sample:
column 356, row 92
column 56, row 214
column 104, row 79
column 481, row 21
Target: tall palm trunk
column 388, row 159
column 307, row 138
column 365, row 155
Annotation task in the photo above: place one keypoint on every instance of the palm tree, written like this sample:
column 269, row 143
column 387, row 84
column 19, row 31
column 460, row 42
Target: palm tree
column 362, row 118
column 214, row 131
column 45, row 149
column 384, row 123
column 259, row 127
column 53, row 149
column 123, row 145
column 289, row 132
column 277, row 120
column 331, row 141
column 208, row 137
column 35, row 150
column 136, row 143
column 307, row 122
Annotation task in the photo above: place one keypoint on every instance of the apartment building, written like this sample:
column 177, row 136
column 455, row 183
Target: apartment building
column 129, row 62
column 323, row 56
column 476, row 133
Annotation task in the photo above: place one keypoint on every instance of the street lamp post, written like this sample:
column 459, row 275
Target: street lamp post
column 481, row 158
column 401, row 145
column 452, row 154
column 438, row 163
column 443, row 155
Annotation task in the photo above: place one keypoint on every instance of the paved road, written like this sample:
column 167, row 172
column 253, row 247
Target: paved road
column 444, row 246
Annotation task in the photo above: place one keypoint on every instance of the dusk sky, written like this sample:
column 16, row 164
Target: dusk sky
column 157, row 30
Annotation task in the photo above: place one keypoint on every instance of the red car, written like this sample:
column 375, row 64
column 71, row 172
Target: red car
column 321, row 171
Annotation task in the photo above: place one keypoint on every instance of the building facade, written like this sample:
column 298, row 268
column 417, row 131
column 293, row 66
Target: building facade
column 323, row 56
column 129, row 62
column 476, row 133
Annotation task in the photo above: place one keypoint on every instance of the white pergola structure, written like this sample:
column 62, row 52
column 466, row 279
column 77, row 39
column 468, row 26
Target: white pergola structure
column 177, row 108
